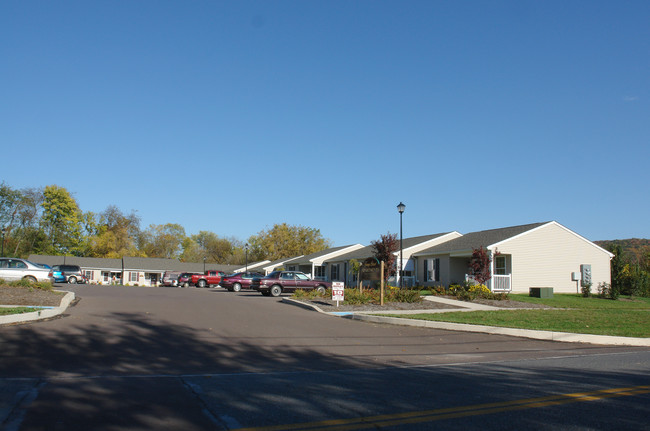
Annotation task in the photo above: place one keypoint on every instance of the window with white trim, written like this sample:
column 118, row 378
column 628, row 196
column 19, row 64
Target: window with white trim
column 134, row 276
column 500, row 267
column 432, row 269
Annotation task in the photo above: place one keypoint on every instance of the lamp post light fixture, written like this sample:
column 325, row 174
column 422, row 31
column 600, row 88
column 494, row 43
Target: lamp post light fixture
column 401, row 207
column 246, row 248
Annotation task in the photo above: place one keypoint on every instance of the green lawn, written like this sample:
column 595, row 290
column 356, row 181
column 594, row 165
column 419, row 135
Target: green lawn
column 572, row 313
column 16, row 310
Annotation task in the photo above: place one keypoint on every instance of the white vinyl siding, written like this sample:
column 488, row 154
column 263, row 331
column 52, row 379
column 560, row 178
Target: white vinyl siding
column 546, row 257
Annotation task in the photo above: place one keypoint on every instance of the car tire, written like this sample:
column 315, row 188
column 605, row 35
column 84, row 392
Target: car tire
column 236, row 287
column 201, row 284
column 321, row 289
column 276, row 290
column 30, row 278
column 72, row 280
column 186, row 284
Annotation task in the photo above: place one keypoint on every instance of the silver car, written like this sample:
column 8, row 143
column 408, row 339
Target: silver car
column 12, row 268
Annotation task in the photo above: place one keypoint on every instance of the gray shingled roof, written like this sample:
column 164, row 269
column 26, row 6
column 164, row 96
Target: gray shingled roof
column 309, row 257
column 367, row 251
column 85, row 262
column 482, row 238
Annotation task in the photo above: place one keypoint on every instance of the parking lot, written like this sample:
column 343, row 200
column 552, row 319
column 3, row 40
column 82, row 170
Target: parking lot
column 151, row 358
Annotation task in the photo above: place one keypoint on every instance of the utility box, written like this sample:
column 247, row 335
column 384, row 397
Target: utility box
column 540, row 292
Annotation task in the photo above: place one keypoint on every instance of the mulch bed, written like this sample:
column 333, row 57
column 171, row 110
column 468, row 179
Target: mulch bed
column 10, row 295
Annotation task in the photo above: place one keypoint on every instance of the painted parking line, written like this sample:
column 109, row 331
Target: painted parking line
column 455, row 412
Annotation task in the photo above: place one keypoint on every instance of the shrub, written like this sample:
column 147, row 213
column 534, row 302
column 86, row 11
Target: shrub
column 605, row 290
column 42, row 285
column 480, row 291
column 586, row 290
column 403, row 295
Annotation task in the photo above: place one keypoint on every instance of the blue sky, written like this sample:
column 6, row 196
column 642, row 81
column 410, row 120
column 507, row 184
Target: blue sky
column 233, row 116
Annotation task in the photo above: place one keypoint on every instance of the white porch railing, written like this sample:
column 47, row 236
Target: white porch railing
column 498, row 283
column 501, row 283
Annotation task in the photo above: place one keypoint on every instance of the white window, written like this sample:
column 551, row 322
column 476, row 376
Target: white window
column 500, row 265
column 432, row 269
column 134, row 276
column 90, row 275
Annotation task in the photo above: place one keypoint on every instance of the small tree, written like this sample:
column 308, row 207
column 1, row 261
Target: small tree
column 479, row 265
column 384, row 250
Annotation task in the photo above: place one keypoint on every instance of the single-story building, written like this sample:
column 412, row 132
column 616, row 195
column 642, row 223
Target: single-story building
column 129, row 271
column 410, row 246
column 533, row 255
column 315, row 265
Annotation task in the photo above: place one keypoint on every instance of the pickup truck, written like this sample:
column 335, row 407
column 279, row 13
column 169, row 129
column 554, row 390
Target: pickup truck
column 210, row 278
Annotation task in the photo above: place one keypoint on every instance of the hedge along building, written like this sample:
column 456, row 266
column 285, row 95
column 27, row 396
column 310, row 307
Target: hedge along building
column 533, row 255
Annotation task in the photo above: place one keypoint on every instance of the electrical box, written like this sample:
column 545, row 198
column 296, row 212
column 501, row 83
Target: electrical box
column 575, row 276
column 585, row 273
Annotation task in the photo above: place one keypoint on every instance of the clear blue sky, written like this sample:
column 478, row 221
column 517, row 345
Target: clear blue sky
column 233, row 116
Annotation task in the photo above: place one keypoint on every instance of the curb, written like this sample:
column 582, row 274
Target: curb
column 565, row 337
column 40, row 314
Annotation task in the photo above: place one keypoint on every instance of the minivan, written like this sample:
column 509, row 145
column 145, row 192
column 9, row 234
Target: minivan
column 67, row 274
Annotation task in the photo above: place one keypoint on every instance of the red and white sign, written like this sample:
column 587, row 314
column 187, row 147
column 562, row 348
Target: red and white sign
column 338, row 291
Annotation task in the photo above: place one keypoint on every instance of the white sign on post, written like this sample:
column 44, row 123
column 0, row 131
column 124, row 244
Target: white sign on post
column 338, row 291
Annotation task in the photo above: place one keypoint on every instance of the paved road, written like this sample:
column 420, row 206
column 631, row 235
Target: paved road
column 207, row 359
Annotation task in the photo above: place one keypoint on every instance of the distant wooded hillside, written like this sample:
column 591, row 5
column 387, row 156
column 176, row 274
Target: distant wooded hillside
column 634, row 249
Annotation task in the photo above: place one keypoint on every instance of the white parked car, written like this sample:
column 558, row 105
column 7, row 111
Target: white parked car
column 12, row 268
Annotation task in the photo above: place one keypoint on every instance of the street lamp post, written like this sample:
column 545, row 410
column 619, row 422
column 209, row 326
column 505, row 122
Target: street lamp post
column 401, row 207
column 204, row 264
column 3, row 242
column 246, row 248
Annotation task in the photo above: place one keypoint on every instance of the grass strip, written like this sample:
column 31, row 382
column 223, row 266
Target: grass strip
column 626, row 317
column 16, row 310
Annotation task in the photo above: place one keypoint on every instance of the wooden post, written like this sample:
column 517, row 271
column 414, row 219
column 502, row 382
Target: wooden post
column 381, row 301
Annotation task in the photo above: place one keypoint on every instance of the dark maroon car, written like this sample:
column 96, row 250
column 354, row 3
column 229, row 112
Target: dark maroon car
column 239, row 280
column 279, row 282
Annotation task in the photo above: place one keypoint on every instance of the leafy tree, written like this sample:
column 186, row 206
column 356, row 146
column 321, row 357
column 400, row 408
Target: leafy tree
column 384, row 250
column 62, row 220
column 479, row 265
column 9, row 205
column 283, row 240
column 28, row 233
column 214, row 248
column 162, row 240
column 116, row 234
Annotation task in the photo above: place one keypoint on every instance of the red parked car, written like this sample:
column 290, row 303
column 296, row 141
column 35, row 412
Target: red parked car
column 239, row 280
column 210, row 278
column 279, row 282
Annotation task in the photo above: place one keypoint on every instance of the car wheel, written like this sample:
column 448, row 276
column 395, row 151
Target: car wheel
column 30, row 278
column 321, row 289
column 72, row 280
column 275, row 291
column 186, row 284
column 201, row 284
column 236, row 287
